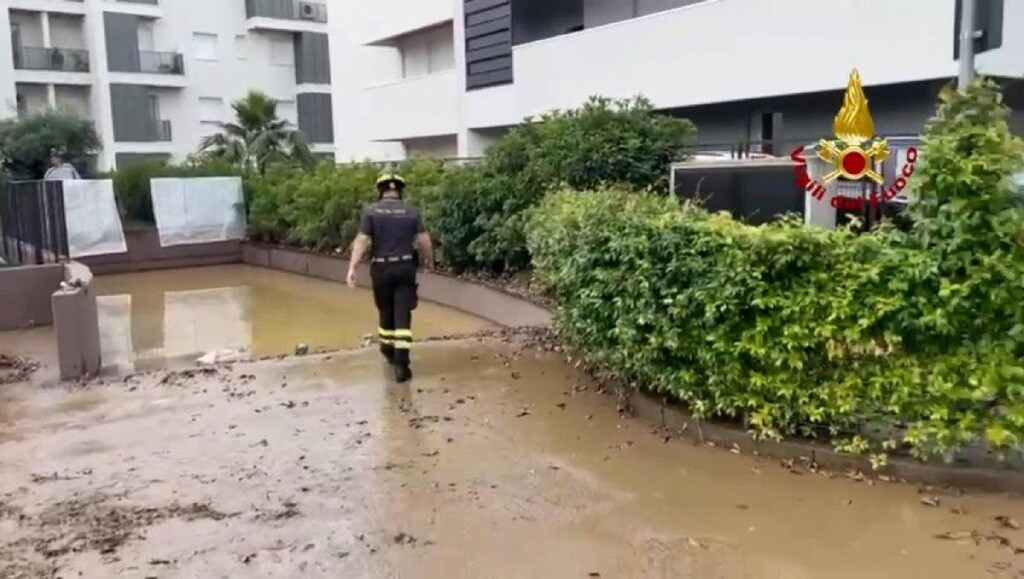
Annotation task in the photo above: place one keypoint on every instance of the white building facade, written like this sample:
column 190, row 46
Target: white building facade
column 156, row 76
column 446, row 77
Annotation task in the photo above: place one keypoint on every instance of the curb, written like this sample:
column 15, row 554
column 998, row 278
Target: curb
column 674, row 418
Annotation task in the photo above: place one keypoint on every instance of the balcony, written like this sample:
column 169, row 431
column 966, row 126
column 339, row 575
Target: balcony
column 400, row 108
column 55, row 59
column 286, row 15
column 161, row 62
column 158, row 69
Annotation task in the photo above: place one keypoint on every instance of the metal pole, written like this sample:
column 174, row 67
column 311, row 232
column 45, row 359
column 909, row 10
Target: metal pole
column 967, row 36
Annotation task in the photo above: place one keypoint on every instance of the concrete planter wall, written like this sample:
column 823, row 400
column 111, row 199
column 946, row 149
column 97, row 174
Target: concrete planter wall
column 25, row 295
column 145, row 253
column 488, row 303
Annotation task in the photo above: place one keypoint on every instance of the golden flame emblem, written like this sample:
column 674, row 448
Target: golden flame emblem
column 853, row 124
column 853, row 127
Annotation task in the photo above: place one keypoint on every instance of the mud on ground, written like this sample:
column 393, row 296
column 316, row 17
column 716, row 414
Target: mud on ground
column 496, row 461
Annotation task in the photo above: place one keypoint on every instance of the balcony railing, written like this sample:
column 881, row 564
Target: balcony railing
column 59, row 59
column 163, row 132
column 287, row 10
column 161, row 62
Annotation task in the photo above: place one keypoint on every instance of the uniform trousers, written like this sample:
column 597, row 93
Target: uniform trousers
column 394, row 292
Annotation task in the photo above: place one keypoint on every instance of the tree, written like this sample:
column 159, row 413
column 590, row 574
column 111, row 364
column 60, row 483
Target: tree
column 26, row 142
column 257, row 137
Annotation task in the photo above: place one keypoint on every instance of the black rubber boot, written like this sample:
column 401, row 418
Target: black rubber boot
column 388, row 352
column 402, row 373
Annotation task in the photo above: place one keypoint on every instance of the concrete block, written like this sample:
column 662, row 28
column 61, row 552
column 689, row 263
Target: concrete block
column 76, row 325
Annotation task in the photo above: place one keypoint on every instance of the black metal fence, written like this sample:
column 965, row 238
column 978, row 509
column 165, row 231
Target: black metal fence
column 33, row 229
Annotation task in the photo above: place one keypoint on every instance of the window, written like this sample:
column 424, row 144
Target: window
column 765, row 131
column 282, row 52
column 240, row 47
column 211, row 110
column 204, row 46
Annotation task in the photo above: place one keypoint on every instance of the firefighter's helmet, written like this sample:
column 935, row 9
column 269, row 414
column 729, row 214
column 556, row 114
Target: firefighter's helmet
column 390, row 182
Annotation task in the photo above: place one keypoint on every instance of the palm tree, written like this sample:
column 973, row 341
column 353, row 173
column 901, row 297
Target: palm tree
column 257, row 137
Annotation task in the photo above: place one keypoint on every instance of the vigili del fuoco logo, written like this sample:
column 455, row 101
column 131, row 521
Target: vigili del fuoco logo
column 854, row 152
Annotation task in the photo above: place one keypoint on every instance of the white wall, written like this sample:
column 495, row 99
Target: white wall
column 382, row 19
column 724, row 50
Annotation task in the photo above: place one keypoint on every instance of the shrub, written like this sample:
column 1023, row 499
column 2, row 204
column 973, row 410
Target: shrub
column 798, row 330
column 320, row 209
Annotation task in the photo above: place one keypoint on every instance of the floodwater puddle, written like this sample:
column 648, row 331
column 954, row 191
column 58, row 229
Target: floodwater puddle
column 153, row 319
column 495, row 461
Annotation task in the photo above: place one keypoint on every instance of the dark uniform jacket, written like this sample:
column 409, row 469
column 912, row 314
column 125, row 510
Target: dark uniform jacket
column 392, row 226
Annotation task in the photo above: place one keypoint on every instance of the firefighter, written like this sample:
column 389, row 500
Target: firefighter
column 394, row 231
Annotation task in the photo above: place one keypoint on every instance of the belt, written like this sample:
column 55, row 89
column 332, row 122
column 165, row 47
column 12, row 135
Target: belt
column 392, row 259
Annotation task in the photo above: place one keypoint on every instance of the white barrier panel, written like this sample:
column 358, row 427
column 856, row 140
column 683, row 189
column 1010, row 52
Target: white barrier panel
column 93, row 223
column 198, row 210
column 115, row 319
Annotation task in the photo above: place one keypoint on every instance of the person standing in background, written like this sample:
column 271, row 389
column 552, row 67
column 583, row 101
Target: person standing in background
column 60, row 169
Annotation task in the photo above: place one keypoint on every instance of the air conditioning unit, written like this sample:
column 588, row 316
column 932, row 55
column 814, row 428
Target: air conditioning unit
column 308, row 10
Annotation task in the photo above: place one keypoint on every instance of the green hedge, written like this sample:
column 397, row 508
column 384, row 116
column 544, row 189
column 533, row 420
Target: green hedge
column 799, row 330
column 319, row 209
column 795, row 330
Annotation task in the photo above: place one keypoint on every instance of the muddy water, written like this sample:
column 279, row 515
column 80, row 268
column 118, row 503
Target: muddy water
column 492, row 463
column 149, row 319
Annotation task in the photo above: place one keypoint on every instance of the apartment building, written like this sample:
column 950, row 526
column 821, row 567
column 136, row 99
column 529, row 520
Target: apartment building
column 446, row 77
column 156, row 76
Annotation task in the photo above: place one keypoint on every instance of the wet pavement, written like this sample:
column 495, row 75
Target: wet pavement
column 155, row 319
column 496, row 461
